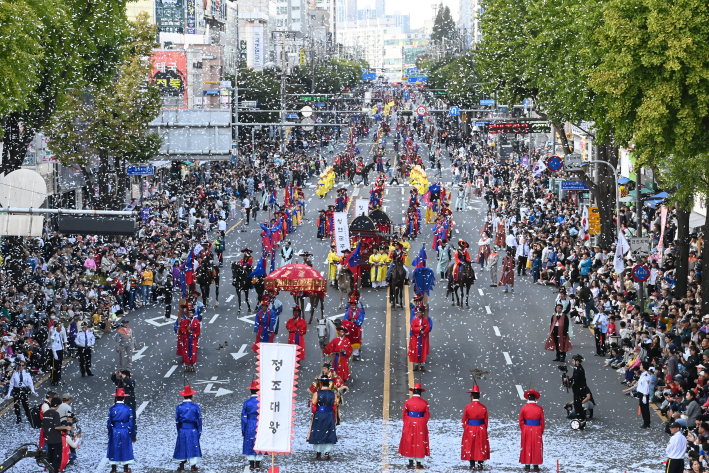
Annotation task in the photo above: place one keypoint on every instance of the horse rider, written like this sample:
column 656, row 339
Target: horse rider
column 461, row 256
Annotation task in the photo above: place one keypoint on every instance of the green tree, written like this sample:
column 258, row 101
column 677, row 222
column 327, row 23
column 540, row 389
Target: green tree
column 108, row 123
column 20, row 54
column 549, row 56
column 652, row 79
column 443, row 25
column 79, row 44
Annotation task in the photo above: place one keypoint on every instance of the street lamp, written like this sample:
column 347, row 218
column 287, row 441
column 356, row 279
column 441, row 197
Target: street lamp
column 283, row 35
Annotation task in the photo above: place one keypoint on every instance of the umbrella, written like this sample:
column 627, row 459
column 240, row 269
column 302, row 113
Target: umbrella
column 296, row 277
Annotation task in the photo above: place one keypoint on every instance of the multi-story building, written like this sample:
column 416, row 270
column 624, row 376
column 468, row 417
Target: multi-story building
column 364, row 39
column 401, row 52
column 288, row 15
column 469, row 19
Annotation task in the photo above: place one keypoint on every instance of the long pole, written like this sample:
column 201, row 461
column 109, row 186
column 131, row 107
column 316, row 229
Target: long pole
column 236, row 85
column 639, row 231
column 283, row 89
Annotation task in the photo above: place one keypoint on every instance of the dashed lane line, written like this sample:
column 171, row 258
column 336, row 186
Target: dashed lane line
column 488, row 310
column 170, row 371
column 497, row 331
column 508, row 360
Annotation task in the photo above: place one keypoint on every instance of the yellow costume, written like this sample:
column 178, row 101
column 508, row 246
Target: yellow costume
column 378, row 272
column 407, row 249
column 332, row 259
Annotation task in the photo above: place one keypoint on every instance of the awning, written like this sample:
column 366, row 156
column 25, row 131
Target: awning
column 160, row 164
column 623, row 180
column 643, row 191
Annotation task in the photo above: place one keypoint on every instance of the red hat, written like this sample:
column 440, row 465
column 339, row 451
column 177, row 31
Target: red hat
column 533, row 393
column 463, row 243
column 417, row 386
column 254, row 386
column 418, row 296
column 120, row 393
column 475, row 389
column 265, row 300
column 188, row 391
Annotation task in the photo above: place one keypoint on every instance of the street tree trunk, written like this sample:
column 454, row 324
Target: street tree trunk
column 705, row 258
column 604, row 191
column 104, row 180
column 682, row 261
column 16, row 141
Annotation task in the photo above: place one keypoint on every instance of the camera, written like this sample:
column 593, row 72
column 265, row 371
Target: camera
column 565, row 381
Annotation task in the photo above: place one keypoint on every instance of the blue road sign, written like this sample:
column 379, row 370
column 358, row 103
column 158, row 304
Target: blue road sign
column 480, row 123
column 555, row 164
column 140, row 170
column 487, row 102
column 407, row 95
column 454, row 111
column 573, row 186
column 291, row 115
column 641, row 273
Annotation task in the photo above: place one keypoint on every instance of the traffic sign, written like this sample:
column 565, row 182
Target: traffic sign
column 454, row 111
column 641, row 272
column 306, row 111
column 307, row 121
column 573, row 185
column 421, row 110
column 594, row 221
column 406, row 95
column 140, row 170
column 573, row 162
column 555, row 163
column 291, row 115
column 487, row 102
column 639, row 246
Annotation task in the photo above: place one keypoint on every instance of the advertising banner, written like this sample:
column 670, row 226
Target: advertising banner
column 277, row 365
column 170, row 16
column 170, row 74
column 342, row 232
column 191, row 17
column 258, row 47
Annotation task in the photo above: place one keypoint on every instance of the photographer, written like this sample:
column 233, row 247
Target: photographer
column 579, row 386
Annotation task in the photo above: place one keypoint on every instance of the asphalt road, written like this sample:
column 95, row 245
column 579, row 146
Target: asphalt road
column 501, row 334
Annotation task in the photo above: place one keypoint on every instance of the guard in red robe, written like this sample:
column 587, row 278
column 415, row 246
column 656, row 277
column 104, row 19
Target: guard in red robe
column 414, row 437
column 340, row 350
column 189, row 332
column 475, row 446
column 531, row 422
column 418, row 339
column 296, row 331
column 507, row 278
column 500, row 233
column 558, row 339
column 352, row 321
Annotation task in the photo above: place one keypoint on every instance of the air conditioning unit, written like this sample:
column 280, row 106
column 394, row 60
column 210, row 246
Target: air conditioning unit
column 197, row 65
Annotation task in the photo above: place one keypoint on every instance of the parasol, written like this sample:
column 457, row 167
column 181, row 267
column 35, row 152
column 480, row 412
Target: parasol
column 296, row 278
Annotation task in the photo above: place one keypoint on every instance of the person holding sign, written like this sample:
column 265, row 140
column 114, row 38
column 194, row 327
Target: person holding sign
column 323, row 431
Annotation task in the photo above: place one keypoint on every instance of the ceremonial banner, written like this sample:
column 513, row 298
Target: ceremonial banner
column 276, row 367
column 342, row 232
column 361, row 207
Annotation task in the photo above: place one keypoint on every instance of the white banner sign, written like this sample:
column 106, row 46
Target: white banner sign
column 342, row 232
column 276, row 381
column 258, row 47
column 361, row 207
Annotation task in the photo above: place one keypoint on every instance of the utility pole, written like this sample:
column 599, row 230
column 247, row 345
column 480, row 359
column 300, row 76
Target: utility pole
column 639, row 228
column 235, row 105
column 284, row 35
column 312, row 60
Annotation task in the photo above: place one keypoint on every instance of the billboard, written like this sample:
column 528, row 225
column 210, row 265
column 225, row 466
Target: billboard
column 258, row 47
column 191, row 18
column 170, row 16
column 170, row 75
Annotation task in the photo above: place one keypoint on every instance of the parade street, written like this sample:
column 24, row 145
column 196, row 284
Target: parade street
column 500, row 334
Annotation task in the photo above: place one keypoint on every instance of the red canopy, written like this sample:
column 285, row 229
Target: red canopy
column 296, row 277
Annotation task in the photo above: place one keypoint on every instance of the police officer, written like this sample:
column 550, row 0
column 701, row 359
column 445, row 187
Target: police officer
column 579, row 386
column 85, row 340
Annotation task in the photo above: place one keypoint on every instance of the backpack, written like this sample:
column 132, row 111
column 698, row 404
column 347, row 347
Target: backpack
column 35, row 416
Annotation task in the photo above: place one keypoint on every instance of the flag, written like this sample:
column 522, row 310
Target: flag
column 188, row 268
column 621, row 249
column 420, row 261
column 260, row 270
column 352, row 260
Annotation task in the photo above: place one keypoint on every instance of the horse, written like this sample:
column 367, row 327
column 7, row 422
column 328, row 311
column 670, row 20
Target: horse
column 259, row 285
column 466, row 278
column 315, row 300
column 241, row 281
column 343, row 276
column 365, row 171
column 398, row 277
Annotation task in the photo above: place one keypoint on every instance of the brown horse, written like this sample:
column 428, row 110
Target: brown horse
column 398, row 277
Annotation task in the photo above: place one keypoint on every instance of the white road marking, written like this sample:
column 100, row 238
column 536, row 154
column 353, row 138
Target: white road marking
column 507, row 357
column 211, row 321
column 307, row 307
column 161, row 323
column 139, row 354
column 497, row 331
column 170, row 371
column 481, row 292
column 241, row 353
column 520, row 391
column 384, row 208
column 386, row 191
column 355, row 193
column 402, row 191
column 141, row 408
column 228, row 299
column 487, row 309
column 457, row 231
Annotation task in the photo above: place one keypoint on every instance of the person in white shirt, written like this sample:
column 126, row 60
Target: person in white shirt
column 21, row 386
column 676, row 449
column 221, row 224
column 247, row 207
column 644, row 389
column 57, row 345
column 85, row 340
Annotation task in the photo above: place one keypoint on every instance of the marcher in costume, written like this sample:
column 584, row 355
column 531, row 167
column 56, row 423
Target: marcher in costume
column 322, row 434
column 297, row 327
column 531, row 422
column 418, row 339
column 414, row 442
column 188, row 419
column 475, row 445
column 121, row 433
column 340, row 350
column 249, row 423
column 558, row 339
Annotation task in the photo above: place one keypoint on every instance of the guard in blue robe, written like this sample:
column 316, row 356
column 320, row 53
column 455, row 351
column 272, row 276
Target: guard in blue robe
column 188, row 419
column 249, row 422
column 323, row 431
column 265, row 324
column 121, row 433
